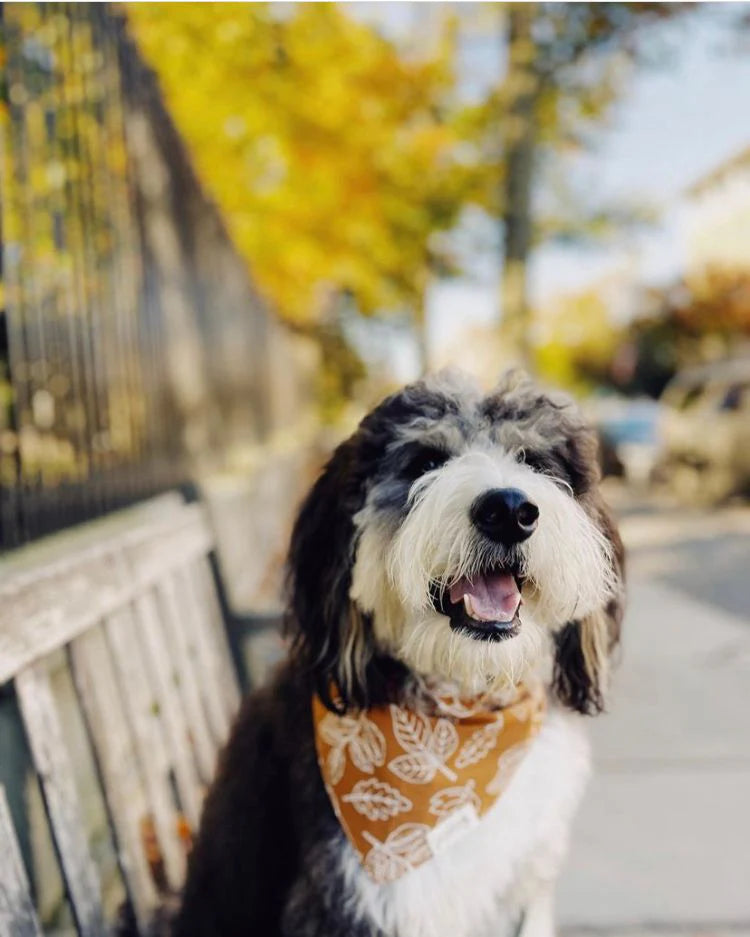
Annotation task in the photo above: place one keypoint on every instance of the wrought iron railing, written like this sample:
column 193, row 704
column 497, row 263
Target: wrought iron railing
column 130, row 336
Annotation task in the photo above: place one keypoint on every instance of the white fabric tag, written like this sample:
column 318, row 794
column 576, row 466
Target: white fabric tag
column 453, row 827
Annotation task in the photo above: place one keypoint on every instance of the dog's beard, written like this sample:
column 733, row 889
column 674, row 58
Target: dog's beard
column 430, row 647
column 565, row 569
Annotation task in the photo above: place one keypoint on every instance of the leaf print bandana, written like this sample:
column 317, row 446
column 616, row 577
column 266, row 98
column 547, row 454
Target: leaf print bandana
column 404, row 785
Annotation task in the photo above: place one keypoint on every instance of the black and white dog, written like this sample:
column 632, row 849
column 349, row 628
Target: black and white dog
column 440, row 495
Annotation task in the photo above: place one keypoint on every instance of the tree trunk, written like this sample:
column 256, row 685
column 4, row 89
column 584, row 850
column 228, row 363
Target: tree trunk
column 421, row 335
column 522, row 84
column 420, row 320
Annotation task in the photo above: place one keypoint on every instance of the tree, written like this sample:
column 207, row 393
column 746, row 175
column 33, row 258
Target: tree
column 578, row 342
column 702, row 318
column 565, row 67
column 334, row 157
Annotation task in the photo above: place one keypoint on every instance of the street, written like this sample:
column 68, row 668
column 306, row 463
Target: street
column 662, row 843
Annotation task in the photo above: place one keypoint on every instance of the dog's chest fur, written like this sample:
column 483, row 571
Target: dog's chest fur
column 479, row 886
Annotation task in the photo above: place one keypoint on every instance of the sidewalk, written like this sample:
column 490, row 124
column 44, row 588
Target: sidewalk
column 662, row 842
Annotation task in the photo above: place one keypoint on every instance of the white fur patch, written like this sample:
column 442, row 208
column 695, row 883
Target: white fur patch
column 567, row 564
column 505, row 864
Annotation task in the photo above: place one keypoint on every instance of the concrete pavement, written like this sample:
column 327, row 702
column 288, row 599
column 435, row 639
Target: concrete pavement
column 662, row 842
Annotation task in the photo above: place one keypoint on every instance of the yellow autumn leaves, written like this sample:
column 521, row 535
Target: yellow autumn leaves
column 333, row 156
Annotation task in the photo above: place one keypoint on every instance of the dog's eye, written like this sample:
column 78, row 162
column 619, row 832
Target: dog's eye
column 535, row 461
column 425, row 460
column 547, row 463
column 539, row 462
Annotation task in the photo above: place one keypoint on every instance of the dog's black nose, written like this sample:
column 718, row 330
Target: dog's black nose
column 505, row 515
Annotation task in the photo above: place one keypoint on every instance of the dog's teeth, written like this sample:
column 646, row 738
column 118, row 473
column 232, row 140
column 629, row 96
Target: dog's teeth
column 470, row 609
column 472, row 612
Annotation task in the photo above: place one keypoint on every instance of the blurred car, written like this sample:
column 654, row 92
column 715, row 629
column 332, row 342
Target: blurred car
column 628, row 436
column 705, row 431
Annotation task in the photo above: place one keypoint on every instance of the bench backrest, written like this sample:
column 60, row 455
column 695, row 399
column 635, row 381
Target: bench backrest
column 137, row 613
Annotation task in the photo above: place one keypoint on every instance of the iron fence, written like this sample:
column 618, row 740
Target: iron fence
column 131, row 340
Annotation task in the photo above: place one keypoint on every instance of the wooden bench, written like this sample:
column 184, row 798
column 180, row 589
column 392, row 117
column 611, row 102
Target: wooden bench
column 130, row 605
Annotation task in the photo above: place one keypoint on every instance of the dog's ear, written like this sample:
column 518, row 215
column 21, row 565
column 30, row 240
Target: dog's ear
column 584, row 647
column 332, row 638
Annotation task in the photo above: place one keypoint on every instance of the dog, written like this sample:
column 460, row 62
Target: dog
column 454, row 552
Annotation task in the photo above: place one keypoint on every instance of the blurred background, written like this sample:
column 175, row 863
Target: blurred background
column 229, row 229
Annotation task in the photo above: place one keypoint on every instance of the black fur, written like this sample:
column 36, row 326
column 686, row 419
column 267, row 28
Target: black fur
column 322, row 551
column 573, row 683
column 320, row 569
column 266, row 860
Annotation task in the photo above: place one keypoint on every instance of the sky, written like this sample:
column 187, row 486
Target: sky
column 674, row 124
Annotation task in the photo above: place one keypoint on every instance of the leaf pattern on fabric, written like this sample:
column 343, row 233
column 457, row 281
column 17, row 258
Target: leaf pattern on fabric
column 507, row 765
column 412, row 730
column 479, row 744
column 336, row 763
column 444, row 739
column 427, row 749
column 402, row 850
column 359, row 737
column 377, row 800
column 406, row 785
column 453, row 705
column 445, row 802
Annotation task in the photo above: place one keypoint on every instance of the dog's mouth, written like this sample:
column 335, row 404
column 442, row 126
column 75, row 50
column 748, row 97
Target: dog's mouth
column 484, row 607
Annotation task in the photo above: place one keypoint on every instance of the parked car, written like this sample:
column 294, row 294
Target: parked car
column 705, row 431
column 628, row 438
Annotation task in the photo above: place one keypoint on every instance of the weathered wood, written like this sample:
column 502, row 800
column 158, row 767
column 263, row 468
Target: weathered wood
column 163, row 678
column 45, row 608
column 124, row 793
column 203, row 579
column 18, row 917
column 138, row 609
column 152, row 557
column 50, row 756
column 142, row 709
column 40, row 615
column 197, row 625
column 188, row 678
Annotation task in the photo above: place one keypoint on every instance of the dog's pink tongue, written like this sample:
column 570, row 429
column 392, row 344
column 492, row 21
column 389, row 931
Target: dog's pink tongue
column 493, row 597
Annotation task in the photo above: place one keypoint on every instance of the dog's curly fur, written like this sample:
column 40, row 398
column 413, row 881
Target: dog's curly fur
column 387, row 522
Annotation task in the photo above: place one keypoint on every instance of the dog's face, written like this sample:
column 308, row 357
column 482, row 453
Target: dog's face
column 455, row 533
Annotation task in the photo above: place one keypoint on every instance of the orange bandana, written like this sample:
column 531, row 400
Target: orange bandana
column 404, row 785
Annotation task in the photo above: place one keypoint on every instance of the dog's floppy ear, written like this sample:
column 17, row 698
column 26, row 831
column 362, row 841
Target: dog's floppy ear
column 331, row 637
column 583, row 648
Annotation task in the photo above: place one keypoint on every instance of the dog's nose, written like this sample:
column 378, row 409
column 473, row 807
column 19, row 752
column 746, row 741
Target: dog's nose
column 505, row 515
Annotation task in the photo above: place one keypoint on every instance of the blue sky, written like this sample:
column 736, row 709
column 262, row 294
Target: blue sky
column 674, row 123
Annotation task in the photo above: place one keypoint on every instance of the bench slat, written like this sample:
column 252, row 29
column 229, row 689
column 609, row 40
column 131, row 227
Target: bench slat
column 50, row 755
column 96, row 683
column 142, row 709
column 18, row 917
column 42, row 610
column 182, row 658
column 197, row 625
column 151, row 559
column 39, row 617
column 163, row 677
column 206, row 587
